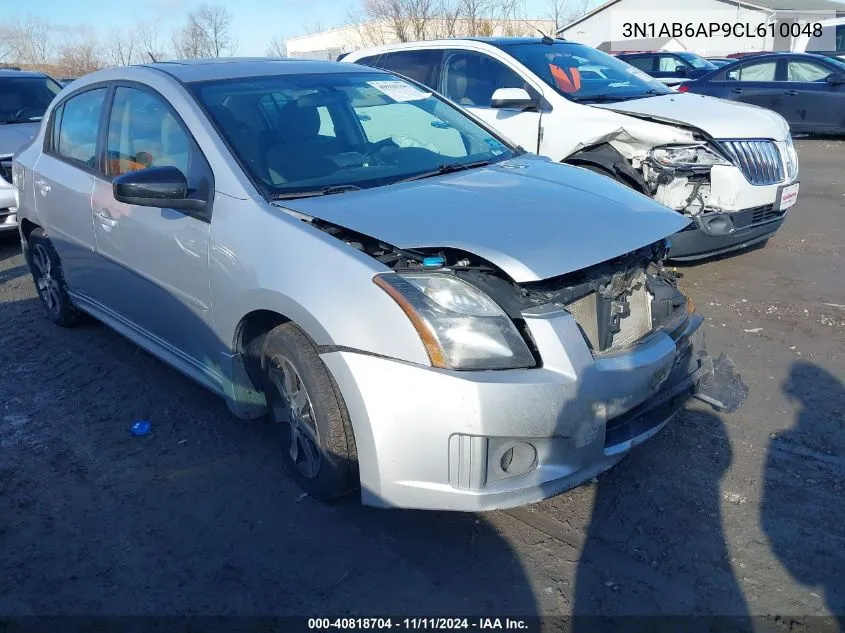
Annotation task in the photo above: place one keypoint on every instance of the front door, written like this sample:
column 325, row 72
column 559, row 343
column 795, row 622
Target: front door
column 64, row 181
column 755, row 83
column 154, row 262
column 470, row 79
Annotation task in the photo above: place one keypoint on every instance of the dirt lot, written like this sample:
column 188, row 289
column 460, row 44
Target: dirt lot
column 720, row 514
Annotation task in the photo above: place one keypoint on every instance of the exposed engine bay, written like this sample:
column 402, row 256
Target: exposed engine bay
column 615, row 303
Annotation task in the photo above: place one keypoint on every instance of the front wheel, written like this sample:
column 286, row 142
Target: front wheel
column 309, row 415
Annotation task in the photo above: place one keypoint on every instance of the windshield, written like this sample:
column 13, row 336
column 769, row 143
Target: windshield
column 328, row 133
column 697, row 61
column 581, row 73
column 25, row 99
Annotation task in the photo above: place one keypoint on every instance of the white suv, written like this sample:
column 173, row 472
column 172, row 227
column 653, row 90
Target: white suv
column 731, row 167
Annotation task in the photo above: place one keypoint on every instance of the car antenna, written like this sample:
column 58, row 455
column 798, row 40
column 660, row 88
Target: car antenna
column 152, row 57
column 546, row 38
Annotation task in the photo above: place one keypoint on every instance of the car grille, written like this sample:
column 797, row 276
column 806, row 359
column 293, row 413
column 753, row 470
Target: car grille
column 759, row 160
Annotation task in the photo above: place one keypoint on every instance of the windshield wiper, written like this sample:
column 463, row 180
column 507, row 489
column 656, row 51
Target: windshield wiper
column 310, row 193
column 447, row 168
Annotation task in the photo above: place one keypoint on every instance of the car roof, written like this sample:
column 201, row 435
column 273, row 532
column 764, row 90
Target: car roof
column 192, row 70
column 8, row 72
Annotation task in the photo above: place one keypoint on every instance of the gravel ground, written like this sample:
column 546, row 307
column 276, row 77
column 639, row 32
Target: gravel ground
column 736, row 514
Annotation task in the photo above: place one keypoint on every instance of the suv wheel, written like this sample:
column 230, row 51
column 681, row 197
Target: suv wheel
column 46, row 269
column 308, row 412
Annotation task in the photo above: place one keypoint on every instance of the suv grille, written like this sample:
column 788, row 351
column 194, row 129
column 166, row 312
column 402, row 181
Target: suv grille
column 759, row 160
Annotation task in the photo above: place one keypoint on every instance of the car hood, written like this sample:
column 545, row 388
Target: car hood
column 717, row 117
column 13, row 136
column 532, row 218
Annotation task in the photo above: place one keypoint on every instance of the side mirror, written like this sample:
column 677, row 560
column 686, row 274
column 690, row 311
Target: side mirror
column 681, row 70
column 836, row 79
column 514, row 98
column 162, row 187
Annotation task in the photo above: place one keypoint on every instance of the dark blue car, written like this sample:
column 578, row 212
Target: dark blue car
column 807, row 90
column 669, row 65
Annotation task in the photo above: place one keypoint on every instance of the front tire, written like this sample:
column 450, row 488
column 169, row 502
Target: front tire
column 46, row 269
column 308, row 412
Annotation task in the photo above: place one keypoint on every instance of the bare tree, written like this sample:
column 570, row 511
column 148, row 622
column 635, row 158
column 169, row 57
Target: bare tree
column 207, row 33
column 562, row 12
column 30, row 42
column 149, row 41
column 80, row 54
column 310, row 28
column 122, row 48
column 277, row 47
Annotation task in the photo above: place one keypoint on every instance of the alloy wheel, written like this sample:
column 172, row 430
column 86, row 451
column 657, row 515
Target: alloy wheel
column 45, row 280
column 294, row 409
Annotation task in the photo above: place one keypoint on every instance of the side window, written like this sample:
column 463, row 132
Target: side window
column 143, row 132
column 668, row 63
column 78, row 127
column 760, row 71
column 806, row 71
column 646, row 64
column 472, row 78
column 417, row 65
column 369, row 61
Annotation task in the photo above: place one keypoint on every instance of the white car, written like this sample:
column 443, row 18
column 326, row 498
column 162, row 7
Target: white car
column 731, row 167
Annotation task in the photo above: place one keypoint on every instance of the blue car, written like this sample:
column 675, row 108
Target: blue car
column 807, row 90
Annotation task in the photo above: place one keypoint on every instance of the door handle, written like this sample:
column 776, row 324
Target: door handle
column 791, row 93
column 105, row 218
column 736, row 91
column 43, row 187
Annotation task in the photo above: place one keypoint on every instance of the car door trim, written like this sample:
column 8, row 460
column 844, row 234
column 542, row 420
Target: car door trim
column 189, row 366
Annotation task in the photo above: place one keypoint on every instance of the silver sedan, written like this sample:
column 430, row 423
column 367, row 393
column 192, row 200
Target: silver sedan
column 425, row 311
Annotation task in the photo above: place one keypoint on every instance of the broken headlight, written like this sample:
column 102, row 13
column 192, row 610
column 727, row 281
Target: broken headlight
column 687, row 157
column 460, row 326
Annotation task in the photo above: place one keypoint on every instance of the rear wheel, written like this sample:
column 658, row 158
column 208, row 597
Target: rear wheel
column 46, row 269
column 308, row 413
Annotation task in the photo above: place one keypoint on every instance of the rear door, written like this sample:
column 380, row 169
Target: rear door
column 811, row 103
column 646, row 63
column 469, row 78
column 64, row 178
column 419, row 65
column 154, row 262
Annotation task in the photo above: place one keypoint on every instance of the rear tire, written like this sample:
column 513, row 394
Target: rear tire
column 46, row 269
column 308, row 412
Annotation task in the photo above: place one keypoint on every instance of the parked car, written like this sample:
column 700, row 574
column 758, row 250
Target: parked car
column 421, row 306
column 731, row 168
column 667, row 65
column 719, row 61
column 830, row 43
column 23, row 98
column 807, row 90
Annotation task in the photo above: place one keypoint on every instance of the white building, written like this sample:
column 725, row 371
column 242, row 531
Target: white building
column 330, row 44
column 602, row 27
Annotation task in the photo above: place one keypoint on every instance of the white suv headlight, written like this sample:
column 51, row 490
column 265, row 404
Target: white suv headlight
column 460, row 326
column 687, row 156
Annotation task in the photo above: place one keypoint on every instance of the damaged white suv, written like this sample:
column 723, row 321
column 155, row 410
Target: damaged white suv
column 730, row 167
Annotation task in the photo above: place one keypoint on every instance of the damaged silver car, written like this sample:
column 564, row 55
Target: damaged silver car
column 729, row 167
column 424, row 311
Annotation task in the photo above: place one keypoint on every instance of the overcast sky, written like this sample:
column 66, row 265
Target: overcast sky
column 254, row 22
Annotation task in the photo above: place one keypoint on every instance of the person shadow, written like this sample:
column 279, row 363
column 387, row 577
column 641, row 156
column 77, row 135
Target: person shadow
column 655, row 544
column 801, row 511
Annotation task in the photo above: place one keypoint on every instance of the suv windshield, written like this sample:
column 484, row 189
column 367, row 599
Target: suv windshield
column 25, row 99
column 697, row 61
column 303, row 135
column 584, row 74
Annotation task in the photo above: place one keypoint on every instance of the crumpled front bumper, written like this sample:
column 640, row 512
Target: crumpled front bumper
column 436, row 439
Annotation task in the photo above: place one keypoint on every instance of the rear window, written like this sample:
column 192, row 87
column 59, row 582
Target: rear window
column 416, row 65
